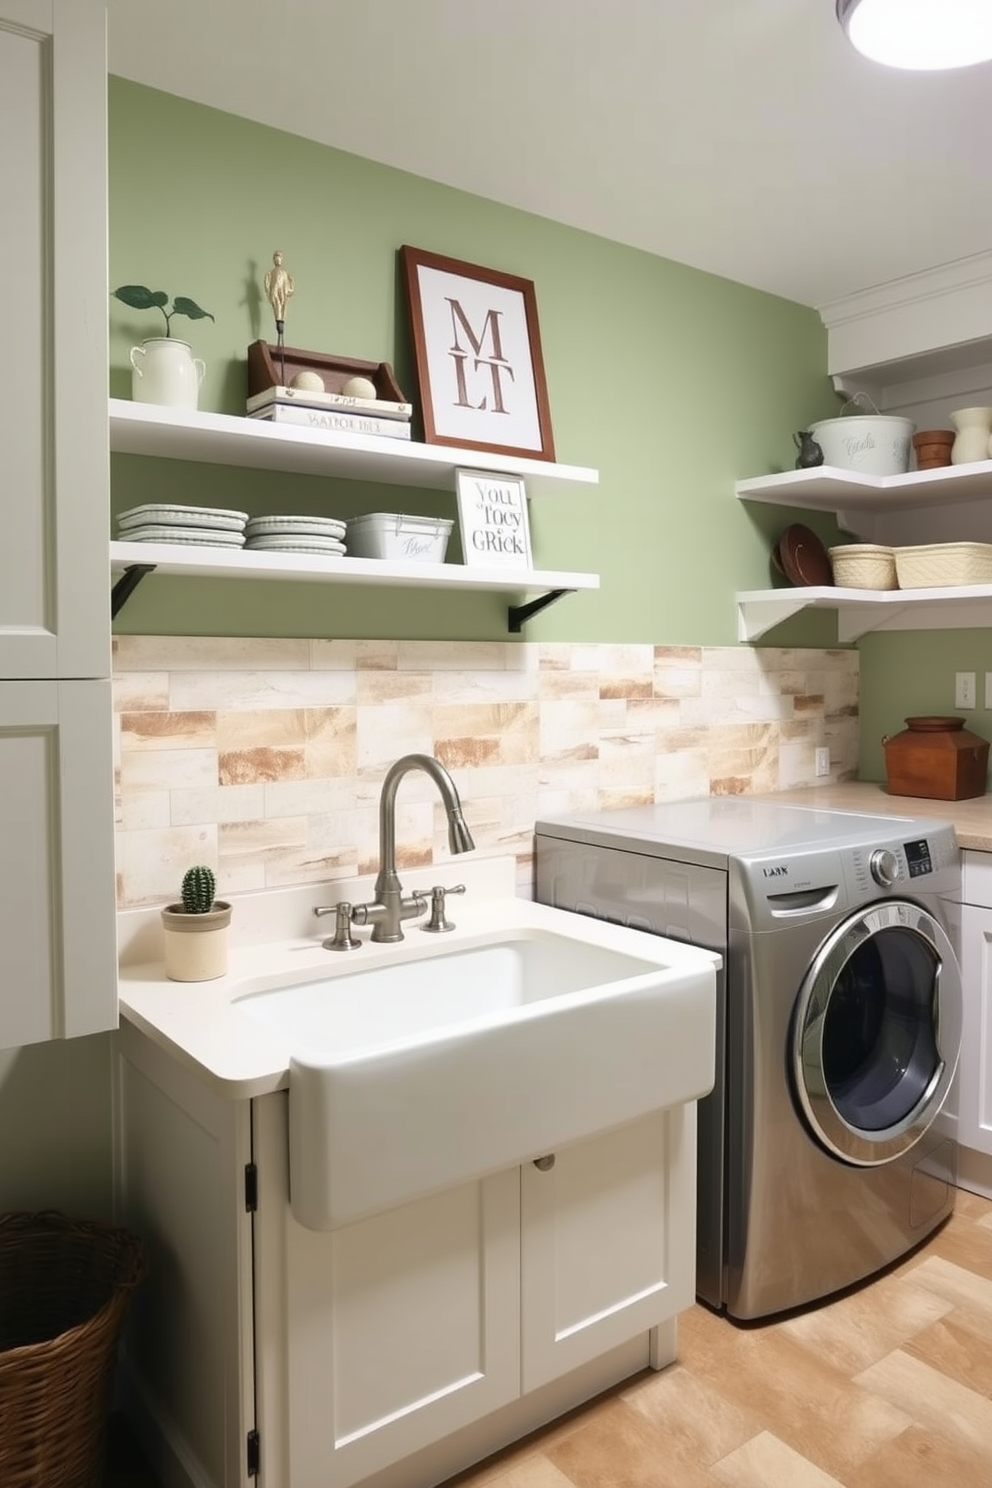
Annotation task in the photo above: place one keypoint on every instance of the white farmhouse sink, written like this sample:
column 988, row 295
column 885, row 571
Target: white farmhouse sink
column 434, row 1065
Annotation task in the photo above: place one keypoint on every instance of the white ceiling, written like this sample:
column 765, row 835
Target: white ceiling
column 745, row 137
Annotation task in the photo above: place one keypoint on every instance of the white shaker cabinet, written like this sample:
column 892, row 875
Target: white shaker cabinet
column 57, row 890
column 975, row 1076
column 54, row 583
column 399, row 1349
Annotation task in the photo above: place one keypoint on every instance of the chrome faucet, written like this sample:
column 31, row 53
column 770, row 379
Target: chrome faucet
column 390, row 908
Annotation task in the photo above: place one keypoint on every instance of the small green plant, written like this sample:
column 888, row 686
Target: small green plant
column 140, row 298
column 198, row 889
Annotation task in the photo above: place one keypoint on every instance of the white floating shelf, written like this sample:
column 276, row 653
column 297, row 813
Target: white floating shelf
column 223, row 439
column 191, row 561
column 828, row 489
column 861, row 610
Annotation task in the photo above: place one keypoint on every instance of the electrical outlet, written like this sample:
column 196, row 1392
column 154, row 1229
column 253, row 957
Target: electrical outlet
column 988, row 689
column 964, row 689
column 822, row 765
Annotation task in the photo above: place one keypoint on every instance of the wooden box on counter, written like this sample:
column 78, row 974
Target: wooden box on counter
column 938, row 758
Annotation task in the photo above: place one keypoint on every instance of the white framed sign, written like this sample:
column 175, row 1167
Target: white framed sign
column 492, row 518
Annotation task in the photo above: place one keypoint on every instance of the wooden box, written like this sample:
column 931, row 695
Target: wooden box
column 276, row 366
column 936, row 758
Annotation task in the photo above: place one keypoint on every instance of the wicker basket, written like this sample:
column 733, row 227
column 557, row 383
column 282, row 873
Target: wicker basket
column 863, row 566
column 64, row 1290
column 942, row 565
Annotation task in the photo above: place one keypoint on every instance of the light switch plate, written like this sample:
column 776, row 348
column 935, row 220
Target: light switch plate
column 964, row 689
column 822, row 762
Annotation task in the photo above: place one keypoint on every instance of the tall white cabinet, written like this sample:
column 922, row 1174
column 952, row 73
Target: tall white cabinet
column 57, row 904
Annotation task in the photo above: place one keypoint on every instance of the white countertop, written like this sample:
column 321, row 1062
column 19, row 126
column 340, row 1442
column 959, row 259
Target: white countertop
column 275, row 938
column 971, row 819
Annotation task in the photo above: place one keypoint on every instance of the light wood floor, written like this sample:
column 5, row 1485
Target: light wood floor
column 887, row 1387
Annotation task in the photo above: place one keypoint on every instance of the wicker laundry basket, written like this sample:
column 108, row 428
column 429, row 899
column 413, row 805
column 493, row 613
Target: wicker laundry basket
column 65, row 1286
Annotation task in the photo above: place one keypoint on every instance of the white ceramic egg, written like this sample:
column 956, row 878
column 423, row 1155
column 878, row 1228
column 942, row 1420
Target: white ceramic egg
column 359, row 387
column 308, row 382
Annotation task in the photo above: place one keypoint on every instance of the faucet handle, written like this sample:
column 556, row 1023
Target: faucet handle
column 439, row 921
column 342, row 939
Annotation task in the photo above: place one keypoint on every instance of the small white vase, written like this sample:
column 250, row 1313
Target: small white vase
column 165, row 371
column 974, row 429
column 196, row 944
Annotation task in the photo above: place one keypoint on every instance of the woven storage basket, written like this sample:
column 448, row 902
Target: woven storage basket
column 65, row 1286
column 863, row 566
column 940, row 565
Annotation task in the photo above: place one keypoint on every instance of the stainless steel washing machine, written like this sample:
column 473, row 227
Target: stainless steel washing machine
column 820, row 1154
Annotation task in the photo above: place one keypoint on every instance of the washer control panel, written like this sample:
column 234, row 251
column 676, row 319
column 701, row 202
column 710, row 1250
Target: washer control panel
column 918, row 859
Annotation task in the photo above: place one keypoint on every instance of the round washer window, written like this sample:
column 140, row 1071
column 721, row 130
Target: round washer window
column 877, row 1032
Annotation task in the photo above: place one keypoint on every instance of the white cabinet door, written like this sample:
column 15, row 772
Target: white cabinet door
column 395, row 1332
column 975, row 1076
column 54, row 573
column 608, row 1242
column 58, row 944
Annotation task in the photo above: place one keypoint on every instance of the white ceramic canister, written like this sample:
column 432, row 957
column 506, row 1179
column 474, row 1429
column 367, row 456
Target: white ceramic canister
column 165, row 371
column 971, row 441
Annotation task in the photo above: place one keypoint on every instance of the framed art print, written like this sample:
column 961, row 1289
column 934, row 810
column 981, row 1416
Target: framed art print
column 492, row 519
column 478, row 355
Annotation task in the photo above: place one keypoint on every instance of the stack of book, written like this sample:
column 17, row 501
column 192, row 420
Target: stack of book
column 338, row 412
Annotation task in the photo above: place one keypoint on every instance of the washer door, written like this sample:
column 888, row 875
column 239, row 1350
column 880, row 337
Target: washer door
column 877, row 1032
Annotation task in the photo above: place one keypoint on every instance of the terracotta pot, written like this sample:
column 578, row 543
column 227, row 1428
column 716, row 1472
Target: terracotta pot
column 933, row 448
column 196, row 944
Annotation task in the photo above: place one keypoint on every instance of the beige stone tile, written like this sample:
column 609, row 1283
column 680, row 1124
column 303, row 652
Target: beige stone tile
column 933, row 1401
column 568, row 686
column 465, row 657
column 220, row 804
column 151, row 863
column 301, row 797
column 375, row 689
column 652, row 714
column 568, row 731
column 386, row 732
column 168, row 769
column 678, row 655
column 169, row 730
column 677, row 680
column 764, row 1460
column 336, row 656
column 680, row 775
column 331, row 747
column 243, row 691
column 253, row 728
column 142, row 810
column 457, row 688
column 209, row 653
column 469, row 735
column 137, row 692
column 261, row 765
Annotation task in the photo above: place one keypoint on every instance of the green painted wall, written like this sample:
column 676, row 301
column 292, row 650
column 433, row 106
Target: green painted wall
column 673, row 383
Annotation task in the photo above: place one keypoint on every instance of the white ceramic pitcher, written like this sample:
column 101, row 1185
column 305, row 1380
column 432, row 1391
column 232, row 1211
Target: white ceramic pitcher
column 165, row 371
column 971, row 441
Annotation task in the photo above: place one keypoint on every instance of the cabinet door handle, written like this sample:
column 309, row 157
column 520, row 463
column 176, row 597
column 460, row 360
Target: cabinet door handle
column 545, row 1164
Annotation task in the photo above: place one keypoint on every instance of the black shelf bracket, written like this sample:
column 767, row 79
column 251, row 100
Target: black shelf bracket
column 518, row 615
column 126, row 585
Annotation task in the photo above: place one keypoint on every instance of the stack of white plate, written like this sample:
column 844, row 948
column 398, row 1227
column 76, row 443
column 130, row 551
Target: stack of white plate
column 206, row 525
column 323, row 535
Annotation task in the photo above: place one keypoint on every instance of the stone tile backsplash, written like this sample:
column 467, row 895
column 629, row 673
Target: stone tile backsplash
column 264, row 758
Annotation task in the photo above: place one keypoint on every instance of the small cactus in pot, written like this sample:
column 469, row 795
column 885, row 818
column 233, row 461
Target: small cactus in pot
column 196, row 929
column 198, row 890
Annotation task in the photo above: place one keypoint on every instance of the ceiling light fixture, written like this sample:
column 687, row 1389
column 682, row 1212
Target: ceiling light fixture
column 920, row 35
